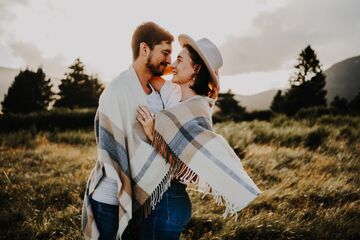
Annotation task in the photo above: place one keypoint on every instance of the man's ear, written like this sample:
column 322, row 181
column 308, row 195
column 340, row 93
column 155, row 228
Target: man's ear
column 144, row 49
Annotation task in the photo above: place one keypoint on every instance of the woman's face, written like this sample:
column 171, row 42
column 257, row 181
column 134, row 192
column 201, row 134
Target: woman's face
column 183, row 69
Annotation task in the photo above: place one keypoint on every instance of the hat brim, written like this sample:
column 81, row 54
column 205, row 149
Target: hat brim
column 187, row 40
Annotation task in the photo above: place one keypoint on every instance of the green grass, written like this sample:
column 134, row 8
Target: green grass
column 308, row 172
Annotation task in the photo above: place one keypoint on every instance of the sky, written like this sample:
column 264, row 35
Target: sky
column 260, row 40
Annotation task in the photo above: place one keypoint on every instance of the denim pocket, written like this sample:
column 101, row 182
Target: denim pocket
column 179, row 209
column 109, row 209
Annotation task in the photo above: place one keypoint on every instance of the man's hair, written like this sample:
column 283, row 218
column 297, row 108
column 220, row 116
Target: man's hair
column 151, row 34
column 202, row 78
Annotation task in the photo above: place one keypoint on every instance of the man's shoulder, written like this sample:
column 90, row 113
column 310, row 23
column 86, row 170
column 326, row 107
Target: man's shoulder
column 121, row 79
column 118, row 86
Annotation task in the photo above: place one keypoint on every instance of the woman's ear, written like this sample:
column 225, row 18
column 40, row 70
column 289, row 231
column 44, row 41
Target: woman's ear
column 197, row 68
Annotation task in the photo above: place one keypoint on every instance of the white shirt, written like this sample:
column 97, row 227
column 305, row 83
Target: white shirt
column 170, row 94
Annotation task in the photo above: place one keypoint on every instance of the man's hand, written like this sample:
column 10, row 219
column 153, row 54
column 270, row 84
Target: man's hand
column 147, row 120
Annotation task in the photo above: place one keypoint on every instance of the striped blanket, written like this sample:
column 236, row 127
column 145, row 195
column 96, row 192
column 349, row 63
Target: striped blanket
column 183, row 136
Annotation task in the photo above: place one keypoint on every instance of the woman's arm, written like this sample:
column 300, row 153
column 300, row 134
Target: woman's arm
column 157, row 83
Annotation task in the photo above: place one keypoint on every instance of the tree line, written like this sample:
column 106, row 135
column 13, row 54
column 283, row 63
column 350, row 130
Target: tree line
column 306, row 91
column 31, row 91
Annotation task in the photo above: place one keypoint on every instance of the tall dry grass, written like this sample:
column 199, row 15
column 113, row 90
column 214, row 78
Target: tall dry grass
column 308, row 171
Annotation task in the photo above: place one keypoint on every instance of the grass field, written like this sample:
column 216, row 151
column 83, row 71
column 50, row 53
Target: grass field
column 308, row 171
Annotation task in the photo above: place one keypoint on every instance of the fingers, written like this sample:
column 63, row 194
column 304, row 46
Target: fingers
column 140, row 120
column 140, row 113
column 144, row 112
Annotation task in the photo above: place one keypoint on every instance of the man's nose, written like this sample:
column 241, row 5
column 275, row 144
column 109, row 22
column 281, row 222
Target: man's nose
column 168, row 59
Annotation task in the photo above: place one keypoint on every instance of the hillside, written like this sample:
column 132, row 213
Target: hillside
column 260, row 101
column 343, row 79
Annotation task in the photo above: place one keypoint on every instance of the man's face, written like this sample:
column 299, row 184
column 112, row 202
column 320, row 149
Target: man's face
column 159, row 58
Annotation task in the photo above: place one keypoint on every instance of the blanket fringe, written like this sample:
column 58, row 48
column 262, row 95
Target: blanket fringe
column 155, row 197
column 161, row 146
column 185, row 175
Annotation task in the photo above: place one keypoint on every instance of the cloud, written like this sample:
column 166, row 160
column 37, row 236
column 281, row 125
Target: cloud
column 5, row 5
column 276, row 38
column 5, row 11
column 33, row 58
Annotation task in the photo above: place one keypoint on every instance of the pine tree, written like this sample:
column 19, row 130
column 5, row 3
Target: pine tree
column 340, row 103
column 277, row 104
column 78, row 89
column 354, row 104
column 29, row 92
column 307, row 85
column 229, row 107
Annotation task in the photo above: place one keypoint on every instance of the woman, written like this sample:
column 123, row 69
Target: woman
column 174, row 134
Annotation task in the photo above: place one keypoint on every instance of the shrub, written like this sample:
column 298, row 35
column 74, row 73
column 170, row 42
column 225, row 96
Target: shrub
column 315, row 138
column 21, row 138
column 49, row 120
column 313, row 112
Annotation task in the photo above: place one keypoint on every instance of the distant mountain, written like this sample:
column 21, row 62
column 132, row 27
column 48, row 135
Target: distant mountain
column 260, row 101
column 343, row 79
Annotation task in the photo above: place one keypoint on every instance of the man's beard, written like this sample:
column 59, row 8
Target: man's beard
column 155, row 70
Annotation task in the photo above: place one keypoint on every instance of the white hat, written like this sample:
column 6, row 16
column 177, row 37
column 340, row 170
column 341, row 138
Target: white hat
column 208, row 52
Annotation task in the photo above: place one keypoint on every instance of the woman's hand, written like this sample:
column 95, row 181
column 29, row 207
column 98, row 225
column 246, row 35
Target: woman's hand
column 147, row 120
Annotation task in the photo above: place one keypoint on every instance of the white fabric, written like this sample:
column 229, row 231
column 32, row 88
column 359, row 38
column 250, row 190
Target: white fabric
column 170, row 94
column 106, row 192
column 154, row 101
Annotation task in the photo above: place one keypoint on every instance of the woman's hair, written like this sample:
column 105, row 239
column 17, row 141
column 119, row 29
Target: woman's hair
column 151, row 34
column 203, row 81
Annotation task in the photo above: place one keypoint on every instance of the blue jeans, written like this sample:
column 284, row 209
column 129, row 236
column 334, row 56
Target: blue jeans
column 106, row 219
column 165, row 222
column 169, row 217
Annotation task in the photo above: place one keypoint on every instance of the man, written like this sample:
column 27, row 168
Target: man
column 129, row 177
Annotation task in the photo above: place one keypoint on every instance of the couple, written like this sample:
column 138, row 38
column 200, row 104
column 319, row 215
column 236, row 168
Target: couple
column 148, row 155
